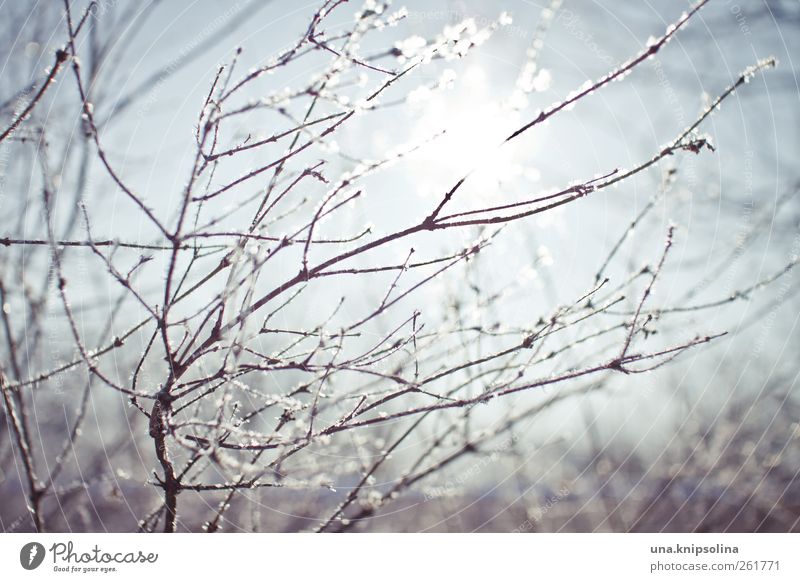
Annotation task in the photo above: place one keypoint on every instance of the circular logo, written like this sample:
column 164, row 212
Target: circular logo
column 31, row 555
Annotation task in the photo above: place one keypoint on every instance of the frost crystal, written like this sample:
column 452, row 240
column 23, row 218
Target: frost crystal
column 542, row 81
column 411, row 46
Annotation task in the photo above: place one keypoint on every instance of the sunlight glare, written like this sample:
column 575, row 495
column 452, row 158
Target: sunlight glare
column 471, row 121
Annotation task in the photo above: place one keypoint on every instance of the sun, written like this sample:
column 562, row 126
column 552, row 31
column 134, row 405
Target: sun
column 470, row 121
